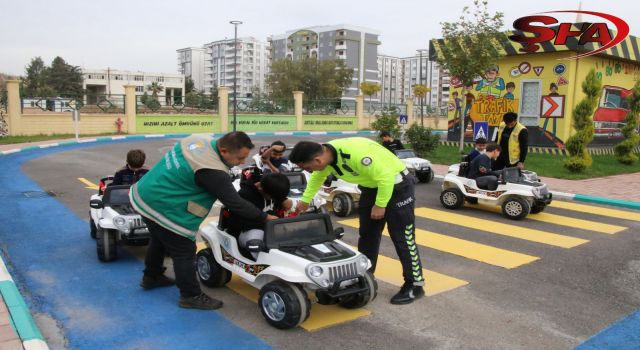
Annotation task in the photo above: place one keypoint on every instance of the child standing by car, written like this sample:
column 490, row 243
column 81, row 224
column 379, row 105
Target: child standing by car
column 133, row 170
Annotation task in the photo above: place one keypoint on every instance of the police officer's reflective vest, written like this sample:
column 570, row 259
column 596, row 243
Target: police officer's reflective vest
column 514, row 144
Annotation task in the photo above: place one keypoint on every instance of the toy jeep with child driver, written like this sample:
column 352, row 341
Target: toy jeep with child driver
column 299, row 256
column 112, row 221
column 516, row 194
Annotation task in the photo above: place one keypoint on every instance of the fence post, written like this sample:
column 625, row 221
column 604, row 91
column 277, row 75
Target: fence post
column 409, row 103
column 14, row 111
column 130, row 105
column 297, row 108
column 223, row 108
column 362, row 123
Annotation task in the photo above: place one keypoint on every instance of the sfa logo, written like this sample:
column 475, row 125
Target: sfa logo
column 594, row 32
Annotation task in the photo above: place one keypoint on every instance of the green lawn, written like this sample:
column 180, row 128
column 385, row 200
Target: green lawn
column 36, row 138
column 546, row 164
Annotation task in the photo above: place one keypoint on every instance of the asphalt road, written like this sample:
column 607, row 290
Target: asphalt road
column 556, row 301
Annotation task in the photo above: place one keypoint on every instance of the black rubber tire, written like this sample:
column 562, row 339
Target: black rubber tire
column 210, row 273
column 471, row 200
column 446, row 198
column 107, row 245
column 537, row 208
column 294, row 304
column 92, row 227
column 515, row 208
column 345, row 206
column 365, row 298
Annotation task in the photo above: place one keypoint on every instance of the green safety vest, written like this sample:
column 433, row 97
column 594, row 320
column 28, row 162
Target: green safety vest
column 363, row 162
column 168, row 193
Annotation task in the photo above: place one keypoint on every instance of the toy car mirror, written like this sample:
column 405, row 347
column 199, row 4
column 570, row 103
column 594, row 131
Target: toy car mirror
column 255, row 245
column 96, row 204
column 339, row 232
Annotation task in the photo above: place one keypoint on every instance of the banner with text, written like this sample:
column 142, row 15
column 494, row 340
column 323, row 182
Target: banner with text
column 151, row 124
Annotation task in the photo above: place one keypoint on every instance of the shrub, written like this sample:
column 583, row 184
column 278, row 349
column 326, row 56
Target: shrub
column 422, row 139
column 624, row 150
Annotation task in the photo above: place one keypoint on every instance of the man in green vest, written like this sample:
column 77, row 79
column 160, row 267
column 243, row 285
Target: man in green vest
column 176, row 195
column 513, row 138
column 387, row 197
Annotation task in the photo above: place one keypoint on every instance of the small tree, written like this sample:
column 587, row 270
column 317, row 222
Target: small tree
column 189, row 85
column 155, row 89
column 470, row 46
column 624, row 150
column 420, row 91
column 388, row 121
column 369, row 89
column 576, row 145
column 422, row 139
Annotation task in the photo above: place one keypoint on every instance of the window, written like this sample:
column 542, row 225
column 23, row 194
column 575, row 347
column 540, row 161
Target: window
column 530, row 102
column 613, row 99
column 139, row 88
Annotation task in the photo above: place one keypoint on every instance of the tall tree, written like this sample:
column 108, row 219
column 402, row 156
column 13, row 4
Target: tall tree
column 420, row 90
column 64, row 79
column 369, row 89
column 470, row 46
column 35, row 80
column 325, row 79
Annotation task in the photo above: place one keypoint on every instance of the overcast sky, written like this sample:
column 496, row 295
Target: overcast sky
column 144, row 35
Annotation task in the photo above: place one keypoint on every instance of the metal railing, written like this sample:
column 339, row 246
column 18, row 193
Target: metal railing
column 377, row 109
column 87, row 103
column 262, row 106
column 328, row 107
column 192, row 103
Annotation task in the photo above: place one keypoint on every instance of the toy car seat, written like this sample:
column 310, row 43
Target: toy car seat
column 488, row 182
column 463, row 169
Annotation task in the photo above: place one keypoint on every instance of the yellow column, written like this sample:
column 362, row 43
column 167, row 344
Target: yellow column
column 297, row 107
column 130, row 108
column 14, row 112
column 223, row 108
column 362, row 122
column 409, row 103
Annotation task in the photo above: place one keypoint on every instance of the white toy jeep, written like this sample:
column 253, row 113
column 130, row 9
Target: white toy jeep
column 342, row 197
column 419, row 167
column 113, row 221
column 516, row 194
column 299, row 255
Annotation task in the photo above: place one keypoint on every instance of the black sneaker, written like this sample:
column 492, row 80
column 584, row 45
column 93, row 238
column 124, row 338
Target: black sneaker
column 407, row 294
column 149, row 282
column 202, row 302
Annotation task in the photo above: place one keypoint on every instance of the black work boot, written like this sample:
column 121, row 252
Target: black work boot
column 202, row 302
column 149, row 282
column 407, row 294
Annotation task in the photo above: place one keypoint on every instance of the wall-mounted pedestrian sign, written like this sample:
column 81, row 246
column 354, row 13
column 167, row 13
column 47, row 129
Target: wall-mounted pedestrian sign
column 552, row 106
column 480, row 130
column 404, row 119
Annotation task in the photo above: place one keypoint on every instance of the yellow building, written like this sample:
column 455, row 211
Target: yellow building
column 544, row 87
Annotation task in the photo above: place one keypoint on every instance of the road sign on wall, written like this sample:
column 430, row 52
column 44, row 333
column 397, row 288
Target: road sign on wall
column 552, row 106
column 480, row 130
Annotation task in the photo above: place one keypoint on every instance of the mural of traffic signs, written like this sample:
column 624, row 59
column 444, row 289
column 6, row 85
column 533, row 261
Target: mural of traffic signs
column 552, row 106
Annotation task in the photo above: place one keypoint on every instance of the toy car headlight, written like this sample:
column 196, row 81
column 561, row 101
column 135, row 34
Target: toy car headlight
column 363, row 263
column 119, row 221
column 315, row 271
column 536, row 191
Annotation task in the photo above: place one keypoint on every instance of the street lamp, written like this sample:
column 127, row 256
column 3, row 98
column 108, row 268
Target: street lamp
column 235, row 56
column 421, row 97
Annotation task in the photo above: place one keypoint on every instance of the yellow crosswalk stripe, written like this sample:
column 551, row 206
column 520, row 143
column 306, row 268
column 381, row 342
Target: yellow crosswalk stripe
column 561, row 220
column 614, row 213
column 90, row 185
column 493, row 226
column 471, row 250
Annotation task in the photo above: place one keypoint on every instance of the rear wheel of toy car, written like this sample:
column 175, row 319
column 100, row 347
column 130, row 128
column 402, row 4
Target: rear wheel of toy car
column 452, row 198
column 283, row 304
column 106, row 244
column 211, row 273
column 515, row 208
column 537, row 208
column 343, row 205
column 358, row 301
column 92, row 227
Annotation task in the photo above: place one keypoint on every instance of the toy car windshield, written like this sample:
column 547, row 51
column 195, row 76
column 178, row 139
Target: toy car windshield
column 117, row 195
column 511, row 175
column 299, row 231
column 297, row 181
column 405, row 153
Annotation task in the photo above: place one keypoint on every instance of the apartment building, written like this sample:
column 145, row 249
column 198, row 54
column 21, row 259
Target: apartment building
column 357, row 46
column 191, row 64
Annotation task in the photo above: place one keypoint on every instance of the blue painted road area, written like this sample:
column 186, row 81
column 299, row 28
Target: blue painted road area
column 624, row 334
column 99, row 306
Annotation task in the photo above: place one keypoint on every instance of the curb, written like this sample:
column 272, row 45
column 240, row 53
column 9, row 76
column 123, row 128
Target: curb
column 586, row 198
column 19, row 313
column 151, row 136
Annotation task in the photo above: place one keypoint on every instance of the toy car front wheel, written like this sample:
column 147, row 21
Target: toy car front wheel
column 92, row 227
column 537, row 208
column 452, row 198
column 515, row 208
column 283, row 304
column 211, row 273
column 106, row 244
column 343, row 204
column 364, row 298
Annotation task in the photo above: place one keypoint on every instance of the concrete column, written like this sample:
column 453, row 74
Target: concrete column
column 223, row 108
column 14, row 112
column 409, row 104
column 362, row 122
column 297, row 108
column 130, row 109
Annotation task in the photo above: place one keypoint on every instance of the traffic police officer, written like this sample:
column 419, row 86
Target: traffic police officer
column 387, row 197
